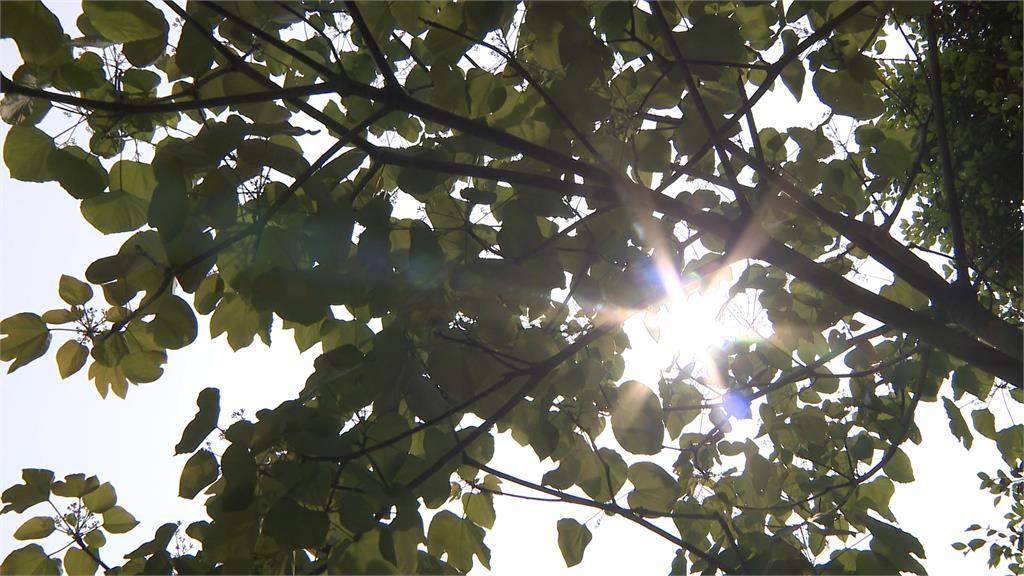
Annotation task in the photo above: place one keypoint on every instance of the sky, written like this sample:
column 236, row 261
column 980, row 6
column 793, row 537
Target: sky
column 65, row 426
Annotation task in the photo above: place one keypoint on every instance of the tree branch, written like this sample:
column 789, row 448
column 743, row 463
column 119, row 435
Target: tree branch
column 612, row 508
column 963, row 278
column 132, row 107
column 905, row 264
column 390, row 82
column 702, row 109
column 525, row 74
column 537, row 374
column 776, row 70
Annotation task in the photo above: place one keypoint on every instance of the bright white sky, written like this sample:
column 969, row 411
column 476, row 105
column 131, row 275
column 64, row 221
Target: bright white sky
column 66, row 427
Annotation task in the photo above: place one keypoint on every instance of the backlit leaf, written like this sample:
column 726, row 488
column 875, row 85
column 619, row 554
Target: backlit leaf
column 203, row 423
column 71, row 357
column 637, row 419
column 200, row 471
column 30, row 560
column 35, row 528
column 26, row 338
column 77, row 562
column 117, row 520
column 573, row 538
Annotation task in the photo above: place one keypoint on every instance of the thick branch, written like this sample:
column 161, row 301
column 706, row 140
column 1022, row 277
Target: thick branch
column 905, row 264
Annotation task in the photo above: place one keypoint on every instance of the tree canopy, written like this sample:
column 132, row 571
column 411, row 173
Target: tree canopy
column 461, row 204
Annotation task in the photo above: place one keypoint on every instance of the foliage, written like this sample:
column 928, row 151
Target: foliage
column 461, row 204
column 981, row 68
column 1002, row 543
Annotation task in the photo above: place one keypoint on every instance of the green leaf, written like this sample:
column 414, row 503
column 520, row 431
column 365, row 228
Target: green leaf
column 713, row 37
column 78, row 172
column 30, row 560
column 679, row 564
column 35, row 528
column 973, row 381
column 238, row 468
column 175, row 324
column 794, row 73
column 27, row 338
column 573, row 538
column 71, row 357
column 74, row 291
column 241, row 322
column 898, row 468
column 141, row 367
column 957, row 424
column 655, row 489
column 77, row 562
column 26, row 152
column 125, row 21
column 1010, row 442
column 200, row 471
column 460, row 538
column 126, row 206
column 194, row 54
column 59, row 316
column 117, row 520
column 37, row 32
column 36, row 489
column 75, row 485
column 652, row 151
column 984, row 423
column 203, row 423
column 847, row 95
column 294, row 526
column 479, row 508
column 101, row 499
column 158, row 544
column 95, row 539
column 637, row 419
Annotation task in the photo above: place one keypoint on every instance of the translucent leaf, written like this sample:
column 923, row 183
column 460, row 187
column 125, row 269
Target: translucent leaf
column 77, row 171
column 637, row 419
column 30, row 560
column 479, row 508
column 36, row 30
column 77, row 562
column 26, row 151
column 573, row 538
column 71, row 357
column 461, row 539
column 36, row 489
column 101, row 499
column 654, row 488
column 200, row 471
column 125, row 21
column 898, row 467
column 117, row 520
column 847, row 95
column 35, row 528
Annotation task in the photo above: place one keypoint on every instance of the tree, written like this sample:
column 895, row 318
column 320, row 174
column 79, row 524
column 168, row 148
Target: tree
column 980, row 68
column 489, row 190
